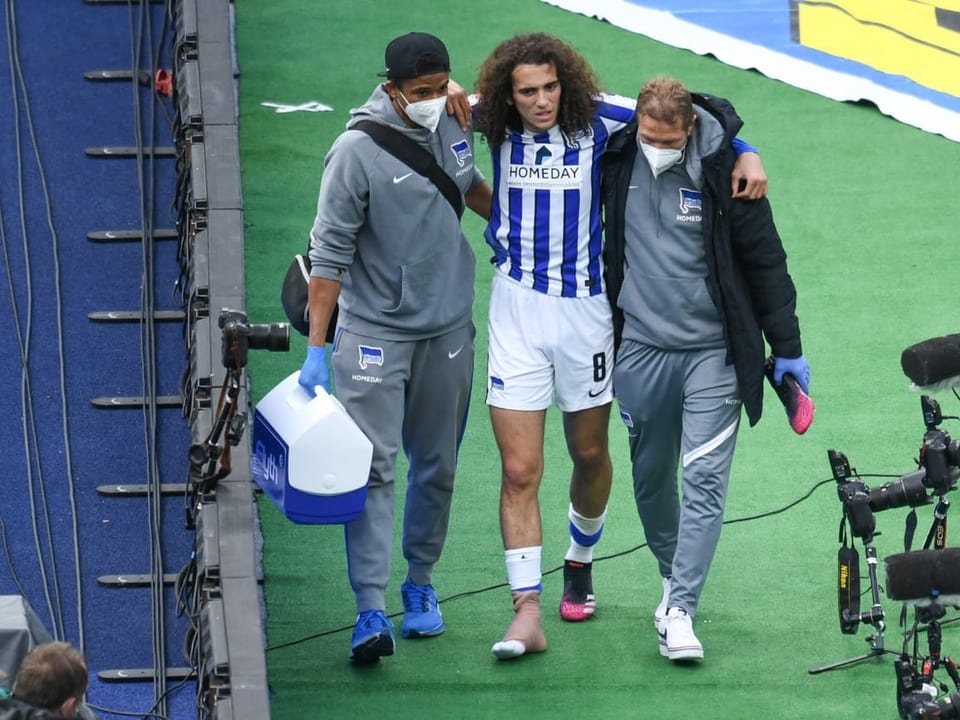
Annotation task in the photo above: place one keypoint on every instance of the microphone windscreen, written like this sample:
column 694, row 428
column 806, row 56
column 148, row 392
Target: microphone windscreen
column 922, row 575
column 933, row 360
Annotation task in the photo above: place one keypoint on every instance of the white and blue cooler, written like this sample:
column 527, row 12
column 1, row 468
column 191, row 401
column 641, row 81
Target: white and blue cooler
column 309, row 456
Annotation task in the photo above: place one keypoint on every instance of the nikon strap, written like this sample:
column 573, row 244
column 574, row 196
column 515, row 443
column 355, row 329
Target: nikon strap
column 417, row 158
column 848, row 583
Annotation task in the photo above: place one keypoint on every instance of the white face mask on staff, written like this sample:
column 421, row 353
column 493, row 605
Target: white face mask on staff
column 660, row 159
column 425, row 113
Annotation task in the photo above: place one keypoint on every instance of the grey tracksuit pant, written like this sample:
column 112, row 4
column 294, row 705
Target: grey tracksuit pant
column 679, row 406
column 413, row 394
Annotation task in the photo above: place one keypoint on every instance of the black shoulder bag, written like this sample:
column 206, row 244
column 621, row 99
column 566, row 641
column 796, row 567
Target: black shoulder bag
column 294, row 294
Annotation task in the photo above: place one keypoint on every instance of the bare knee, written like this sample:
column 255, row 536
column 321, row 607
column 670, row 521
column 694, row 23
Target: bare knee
column 521, row 475
column 587, row 442
column 590, row 458
column 520, row 440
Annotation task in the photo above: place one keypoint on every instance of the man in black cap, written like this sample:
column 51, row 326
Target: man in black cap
column 388, row 249
column 414, row 55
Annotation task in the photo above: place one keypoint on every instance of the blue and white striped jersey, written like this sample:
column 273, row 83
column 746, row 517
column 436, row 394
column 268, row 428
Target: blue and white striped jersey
column 545, row 226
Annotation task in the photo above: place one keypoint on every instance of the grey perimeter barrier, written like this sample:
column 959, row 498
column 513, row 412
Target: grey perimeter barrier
column 221, row 583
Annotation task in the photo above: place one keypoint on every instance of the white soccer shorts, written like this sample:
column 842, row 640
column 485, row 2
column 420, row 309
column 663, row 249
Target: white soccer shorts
column 541, row 346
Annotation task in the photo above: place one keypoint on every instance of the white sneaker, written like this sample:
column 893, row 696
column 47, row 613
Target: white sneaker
column 677, row 640
column 662, row 607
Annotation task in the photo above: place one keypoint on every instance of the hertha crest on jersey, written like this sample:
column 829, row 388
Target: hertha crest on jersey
column 690, row 201
column 576, row 137
column 461, row 151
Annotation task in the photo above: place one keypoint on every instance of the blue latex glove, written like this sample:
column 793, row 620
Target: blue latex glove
column 314, row 371
column 798, row 367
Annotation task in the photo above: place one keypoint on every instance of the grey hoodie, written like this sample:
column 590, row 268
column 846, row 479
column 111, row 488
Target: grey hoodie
column 388, row 234
column 664, row 296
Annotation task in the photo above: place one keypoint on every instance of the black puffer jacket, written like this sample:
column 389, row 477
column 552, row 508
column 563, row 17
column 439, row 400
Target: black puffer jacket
column 746, row 264
column 13, row 709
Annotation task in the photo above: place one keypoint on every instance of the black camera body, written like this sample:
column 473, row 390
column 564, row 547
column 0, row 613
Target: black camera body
column 239, row 336
column 940, row 459
column 938, row 473
column 939, row 455
column 860, row 502
column 916, row 695
column 209, row 460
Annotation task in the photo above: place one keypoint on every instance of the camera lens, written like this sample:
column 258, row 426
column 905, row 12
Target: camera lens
column 274, row 337
column 908, row 490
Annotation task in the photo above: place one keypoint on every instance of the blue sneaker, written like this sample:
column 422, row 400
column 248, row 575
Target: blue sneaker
column 372, row 637
column 421, row 611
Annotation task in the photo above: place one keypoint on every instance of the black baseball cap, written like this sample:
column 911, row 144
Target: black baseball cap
column 413, row 55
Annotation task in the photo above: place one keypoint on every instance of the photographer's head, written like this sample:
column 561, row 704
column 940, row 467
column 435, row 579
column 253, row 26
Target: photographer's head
column 418, row 73
column 53, row 676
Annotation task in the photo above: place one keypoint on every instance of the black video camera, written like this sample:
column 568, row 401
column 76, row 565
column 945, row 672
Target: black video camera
column 916, row 695
column 239, row 336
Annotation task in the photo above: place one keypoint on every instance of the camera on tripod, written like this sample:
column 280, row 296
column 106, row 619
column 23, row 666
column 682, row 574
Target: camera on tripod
column 210, row 459
column 927, row 579
column 860, row 502
column 239, row 336
column 939, row 469
column 917, row 694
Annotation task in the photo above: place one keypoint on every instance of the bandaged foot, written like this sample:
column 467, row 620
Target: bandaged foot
column 525, row 634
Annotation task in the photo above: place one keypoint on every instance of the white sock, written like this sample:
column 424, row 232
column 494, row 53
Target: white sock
column 584, row 534
column 523, row 568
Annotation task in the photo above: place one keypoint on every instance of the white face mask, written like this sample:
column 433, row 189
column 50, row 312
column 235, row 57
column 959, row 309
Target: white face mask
column 425, row 113
column 660, row 159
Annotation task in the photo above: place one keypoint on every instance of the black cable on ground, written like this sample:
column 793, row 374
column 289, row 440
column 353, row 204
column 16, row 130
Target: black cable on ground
column 469, row 593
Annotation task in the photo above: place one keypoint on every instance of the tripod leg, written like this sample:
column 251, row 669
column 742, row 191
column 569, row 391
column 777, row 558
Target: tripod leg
column 876, row 652
column 874, row 616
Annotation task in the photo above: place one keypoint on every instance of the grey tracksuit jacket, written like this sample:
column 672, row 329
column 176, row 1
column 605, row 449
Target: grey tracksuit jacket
column 389, row 236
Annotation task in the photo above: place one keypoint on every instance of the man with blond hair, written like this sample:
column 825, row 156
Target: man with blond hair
column 697, row 280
